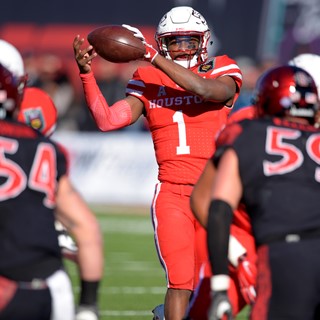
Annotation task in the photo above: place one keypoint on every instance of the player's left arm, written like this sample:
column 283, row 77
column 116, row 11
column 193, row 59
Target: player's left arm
column 225, row 197
column 226, row 191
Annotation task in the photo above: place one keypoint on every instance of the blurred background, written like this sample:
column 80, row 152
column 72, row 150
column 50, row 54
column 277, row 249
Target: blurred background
column 257, row 34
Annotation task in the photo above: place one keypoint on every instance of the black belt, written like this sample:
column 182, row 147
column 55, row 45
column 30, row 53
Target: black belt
column 293, row 236
column 35, row 284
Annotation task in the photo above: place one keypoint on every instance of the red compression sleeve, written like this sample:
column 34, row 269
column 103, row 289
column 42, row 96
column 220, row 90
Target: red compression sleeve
column 107, row 118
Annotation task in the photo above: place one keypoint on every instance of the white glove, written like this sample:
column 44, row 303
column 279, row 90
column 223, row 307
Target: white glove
column 136, row 32
column 87, row 313
column 151, row 52
column 220, row 306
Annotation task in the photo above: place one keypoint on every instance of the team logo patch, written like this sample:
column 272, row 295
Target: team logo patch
column 34, row 118
column 206, row 67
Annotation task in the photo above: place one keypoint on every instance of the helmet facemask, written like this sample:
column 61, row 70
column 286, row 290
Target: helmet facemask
column 195, row 55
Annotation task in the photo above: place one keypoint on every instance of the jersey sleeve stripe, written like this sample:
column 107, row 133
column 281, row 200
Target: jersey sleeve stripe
column 136, row 83
column 235, row 74
column 134, row 92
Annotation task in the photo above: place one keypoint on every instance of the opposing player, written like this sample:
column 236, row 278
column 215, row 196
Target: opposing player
column 186, row 98
column 34, row 184
column 240, row 228
column 280, row 190
column 37, row 110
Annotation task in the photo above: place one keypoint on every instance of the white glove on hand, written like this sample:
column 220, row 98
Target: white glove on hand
column 136, row 32
column 87, row 313
column 220, row 307
column 151, row 53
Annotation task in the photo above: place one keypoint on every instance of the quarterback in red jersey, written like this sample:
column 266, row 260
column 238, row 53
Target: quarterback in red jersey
column 186, row 98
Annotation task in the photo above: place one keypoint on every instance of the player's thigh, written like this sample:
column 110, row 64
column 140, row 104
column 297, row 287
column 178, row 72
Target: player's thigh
column 175, row 237
column 287, row 284
column 28, row 304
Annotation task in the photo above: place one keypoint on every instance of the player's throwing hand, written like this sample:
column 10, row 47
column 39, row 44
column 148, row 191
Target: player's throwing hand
column 151, row 52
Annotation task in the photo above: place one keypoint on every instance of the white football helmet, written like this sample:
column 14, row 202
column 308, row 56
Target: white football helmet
column 11, row 59
column 311, row 63
column 183, row 21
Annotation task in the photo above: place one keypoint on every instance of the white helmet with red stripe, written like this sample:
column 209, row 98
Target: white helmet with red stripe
column 11, row 59
column 183, row 21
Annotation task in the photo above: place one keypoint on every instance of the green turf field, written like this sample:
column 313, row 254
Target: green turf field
column 133, row 282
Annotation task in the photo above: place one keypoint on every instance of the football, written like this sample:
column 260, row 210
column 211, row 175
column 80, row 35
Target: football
column 116, row 44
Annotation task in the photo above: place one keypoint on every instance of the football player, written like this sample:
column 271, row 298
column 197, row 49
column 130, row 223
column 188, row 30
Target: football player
column 280, row 191
column 240, row 228
column 186, row 97
column 35, row 188
column 38, row 110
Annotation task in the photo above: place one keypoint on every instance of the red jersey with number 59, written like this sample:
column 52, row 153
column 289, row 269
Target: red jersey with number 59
column 183, row 126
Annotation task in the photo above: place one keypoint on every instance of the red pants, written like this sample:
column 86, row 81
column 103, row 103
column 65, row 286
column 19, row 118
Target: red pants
column 180, row 240
column 201, row 300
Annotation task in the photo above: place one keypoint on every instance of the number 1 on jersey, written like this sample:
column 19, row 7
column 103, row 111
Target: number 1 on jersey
column 182, row 148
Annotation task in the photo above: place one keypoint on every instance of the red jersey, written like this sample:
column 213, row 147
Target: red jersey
column 248, row 112
column 183, row 126
column 240, row 216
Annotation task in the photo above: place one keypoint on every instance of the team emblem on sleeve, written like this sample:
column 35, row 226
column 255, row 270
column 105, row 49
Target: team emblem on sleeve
column 206, row 67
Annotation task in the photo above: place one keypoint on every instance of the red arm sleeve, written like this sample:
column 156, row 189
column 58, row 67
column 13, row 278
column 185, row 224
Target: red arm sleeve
column 107, row 118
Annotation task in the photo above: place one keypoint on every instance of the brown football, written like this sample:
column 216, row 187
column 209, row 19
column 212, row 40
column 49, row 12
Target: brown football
column 116, row 44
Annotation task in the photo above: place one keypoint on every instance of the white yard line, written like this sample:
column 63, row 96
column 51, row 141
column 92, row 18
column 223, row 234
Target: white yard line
column 125, row 313
column 130, row 290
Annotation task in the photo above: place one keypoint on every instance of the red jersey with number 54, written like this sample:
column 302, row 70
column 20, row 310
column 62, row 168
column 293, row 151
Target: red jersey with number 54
column 183, row 126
